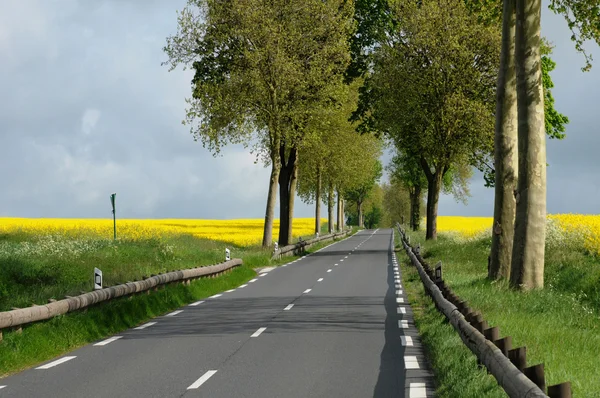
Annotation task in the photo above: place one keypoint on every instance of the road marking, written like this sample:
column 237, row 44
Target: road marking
column 215, row 296
column 1, row 387
column 196, row 303
column 243, row 286
column 403, row 324
column 329, row 270
column 253, row 280
column 284, row 265
column 230, row 290
column 335, row 264
column 144, row 326
column 202, row 379
column 289, row 307
column 262, row 274
column 417, row 390
column 107, row 341
column 57, row 362
column 346, row 257
column 398, row 292
column 406, row 341
column 175, row 313
column 319, row 280
column 258, row 332
column 307, row 291
column 411, row 362
column 342, row 259
column 399, row 300
column 401, row 310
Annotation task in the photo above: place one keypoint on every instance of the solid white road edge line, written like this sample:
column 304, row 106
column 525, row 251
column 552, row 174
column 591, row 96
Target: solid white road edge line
column 54, row 363
column 289, row 307
column 307, row 291
column 258, row 332
column 144, row 326
column 107, row 341
column 175, row 313
column 411, row 362
column 406, row 341
column 417, row 390
column 196, row 303
column 202, row 379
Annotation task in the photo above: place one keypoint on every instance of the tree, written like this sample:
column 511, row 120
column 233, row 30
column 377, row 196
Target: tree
column 433, row 86
column 263, row 72
column 396, row 203
column 361, row 189
column 406, row 170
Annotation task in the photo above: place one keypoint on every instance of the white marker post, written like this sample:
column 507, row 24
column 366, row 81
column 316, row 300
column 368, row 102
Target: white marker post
column 227, row 255
column 97, row 279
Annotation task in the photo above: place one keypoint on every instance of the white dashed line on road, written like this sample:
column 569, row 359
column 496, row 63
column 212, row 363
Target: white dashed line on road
column 342, row 259
column 258, row 332
column 401, row 310
column 319, row 280
column 55, row 363
column 306, row 291
column 230, row 290
column 399, row 292
column 202, row 379
column 107, row 341
column 329, row 270
column 335, row 264
column 399, row 300
column 243, row 286
column 403, row 324
column 406, row 341
column 144, row 326
column 215, row 295
column 289, row 307
column 411, row 362
column 417, row 390
column 253, row 280
column 1, row 387
column 262, row 274
column 175, row 313
column 196, row 303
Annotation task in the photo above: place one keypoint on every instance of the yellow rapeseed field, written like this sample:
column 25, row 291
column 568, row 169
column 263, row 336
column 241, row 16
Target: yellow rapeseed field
column 572, row 229
column 240, row 232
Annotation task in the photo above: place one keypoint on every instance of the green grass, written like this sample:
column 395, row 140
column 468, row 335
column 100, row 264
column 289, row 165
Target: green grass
column 560, row 325
column 45, row 340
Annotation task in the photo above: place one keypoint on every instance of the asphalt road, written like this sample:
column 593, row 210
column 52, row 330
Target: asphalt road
column 332, row 324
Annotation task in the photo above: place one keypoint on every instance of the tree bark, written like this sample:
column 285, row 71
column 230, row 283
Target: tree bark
column 330, row 203
column 527, row 267
column 318, row 203
column 505, row 151
column 339, row 209
column 287, row 185
column 271, row 201
column 360, row 214
column 433, row 196
column 415, row 208
column 343, row 214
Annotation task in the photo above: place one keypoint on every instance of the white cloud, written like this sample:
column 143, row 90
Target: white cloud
column 89, row 120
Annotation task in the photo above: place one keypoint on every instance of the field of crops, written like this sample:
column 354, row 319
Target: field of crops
column 575, row 230
column 246, row 232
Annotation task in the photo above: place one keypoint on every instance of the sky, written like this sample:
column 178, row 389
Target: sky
column 87, row 109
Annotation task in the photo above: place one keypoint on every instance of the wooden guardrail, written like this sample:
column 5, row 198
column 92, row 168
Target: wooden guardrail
column 300, row 247
column 507, row 365
column 22, row 316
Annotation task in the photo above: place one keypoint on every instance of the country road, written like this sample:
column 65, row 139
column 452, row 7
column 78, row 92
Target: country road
column 335, row 323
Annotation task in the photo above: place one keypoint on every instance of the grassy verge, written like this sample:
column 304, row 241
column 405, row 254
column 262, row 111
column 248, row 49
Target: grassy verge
column 560, row 325
column 45, row 340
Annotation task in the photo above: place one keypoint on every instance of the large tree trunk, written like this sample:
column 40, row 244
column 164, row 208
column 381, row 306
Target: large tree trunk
column 433, row 197
column 271, row 201
column 343, row 214
column 287, row 183
column 339, row 211
column 330, row 203
column 360, row 213
column 318, row 203
column 527, row 267
column 505, row 152
column 292, row 197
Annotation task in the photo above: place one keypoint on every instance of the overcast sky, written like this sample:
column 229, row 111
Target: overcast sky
column 86, row 109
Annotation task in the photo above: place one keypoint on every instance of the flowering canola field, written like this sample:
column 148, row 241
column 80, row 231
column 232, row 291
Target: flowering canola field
column 572, row 229
column 242, row 232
